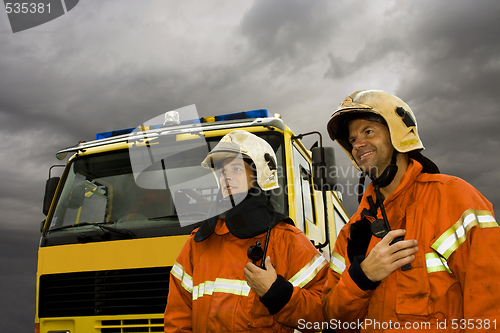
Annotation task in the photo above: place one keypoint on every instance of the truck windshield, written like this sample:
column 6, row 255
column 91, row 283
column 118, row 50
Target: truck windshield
column 101, row 189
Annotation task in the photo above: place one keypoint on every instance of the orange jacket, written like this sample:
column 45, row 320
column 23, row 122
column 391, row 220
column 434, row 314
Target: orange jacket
column 454, row 280
column 208, row 291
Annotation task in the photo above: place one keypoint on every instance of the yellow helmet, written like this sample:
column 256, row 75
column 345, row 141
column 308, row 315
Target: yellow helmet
column 397, row 115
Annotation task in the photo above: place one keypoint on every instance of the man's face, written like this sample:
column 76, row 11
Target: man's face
column 371, row 145
column 236, row 176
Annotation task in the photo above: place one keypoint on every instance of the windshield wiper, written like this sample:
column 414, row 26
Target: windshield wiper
column 177, row 216
column 116, row 230
column 78, row 225
column 164, row 217
column 101, row 225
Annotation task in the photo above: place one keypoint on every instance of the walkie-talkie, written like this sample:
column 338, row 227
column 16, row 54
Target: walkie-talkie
column 256, row 253
column 381, row 227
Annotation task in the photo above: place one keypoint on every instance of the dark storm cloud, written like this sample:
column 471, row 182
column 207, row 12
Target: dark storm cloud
column 107, row 65
column 18, row 278
column 77, row 73
column 450, row 79
column 455, row 86
column 288, row 32
column 374, row 51
column 88, row 78
column 461, row 48
column 61, row 87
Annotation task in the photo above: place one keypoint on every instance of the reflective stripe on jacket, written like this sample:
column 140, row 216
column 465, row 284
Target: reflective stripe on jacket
column 208, row 291
column 455, row 272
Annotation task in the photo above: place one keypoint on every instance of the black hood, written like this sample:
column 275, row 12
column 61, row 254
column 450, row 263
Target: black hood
column 249, row 218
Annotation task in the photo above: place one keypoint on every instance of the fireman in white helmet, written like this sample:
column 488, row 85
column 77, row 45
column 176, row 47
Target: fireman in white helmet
column 247, row 268
column 421, row 249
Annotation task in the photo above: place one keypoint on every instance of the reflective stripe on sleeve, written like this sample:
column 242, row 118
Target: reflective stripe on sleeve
column 205, row 288
column 452, row 238
column 182, row 276
column 337, row 263
column 436, row 263
column 309, row 271
column 236, row 287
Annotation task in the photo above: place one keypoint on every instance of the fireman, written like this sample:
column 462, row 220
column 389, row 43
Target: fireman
column 445, row 271
column 214, row 287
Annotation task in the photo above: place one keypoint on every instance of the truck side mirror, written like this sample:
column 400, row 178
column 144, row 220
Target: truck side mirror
column 50, row 190
column 324, row 168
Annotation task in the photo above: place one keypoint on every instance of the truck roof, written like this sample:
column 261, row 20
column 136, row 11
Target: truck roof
column 232, row 120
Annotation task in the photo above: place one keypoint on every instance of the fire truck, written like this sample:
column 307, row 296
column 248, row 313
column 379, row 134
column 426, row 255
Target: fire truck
column 126, row 203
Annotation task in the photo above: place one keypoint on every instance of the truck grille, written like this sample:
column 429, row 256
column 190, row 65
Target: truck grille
column 133, row 325
column 99, row 293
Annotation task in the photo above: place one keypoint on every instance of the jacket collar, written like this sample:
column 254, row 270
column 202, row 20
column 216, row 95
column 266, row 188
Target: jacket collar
column 414, row 169
column 221, row 228
column 412, row 172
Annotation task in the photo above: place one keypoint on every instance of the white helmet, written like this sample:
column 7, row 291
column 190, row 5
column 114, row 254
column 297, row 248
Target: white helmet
column 247, row 145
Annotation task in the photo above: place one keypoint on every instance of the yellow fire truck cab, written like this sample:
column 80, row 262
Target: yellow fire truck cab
column 109, row 240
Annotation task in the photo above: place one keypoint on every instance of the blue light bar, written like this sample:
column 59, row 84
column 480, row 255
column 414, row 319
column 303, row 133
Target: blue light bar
column 261, row 113
column 105, row 135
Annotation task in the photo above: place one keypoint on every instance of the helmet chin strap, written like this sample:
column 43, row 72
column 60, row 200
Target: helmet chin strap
column 388, row 174
column 383, row 180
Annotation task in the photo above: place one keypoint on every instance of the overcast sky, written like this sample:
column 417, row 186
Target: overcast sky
column 107, row 65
